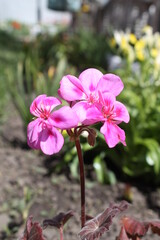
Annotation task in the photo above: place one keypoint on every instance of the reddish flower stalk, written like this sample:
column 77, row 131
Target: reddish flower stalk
column 61, row 233
column 82, row 180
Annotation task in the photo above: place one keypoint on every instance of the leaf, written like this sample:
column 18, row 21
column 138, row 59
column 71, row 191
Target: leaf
column 36, row 232
column 33, row 231
column 100, row 169
column 95, row 227
column 102, row 173
column 74, row 167
column 155, row 226
column 123, row 234
column 135, row 228
column 88, row 217
column 59, row 220
column 153, row 153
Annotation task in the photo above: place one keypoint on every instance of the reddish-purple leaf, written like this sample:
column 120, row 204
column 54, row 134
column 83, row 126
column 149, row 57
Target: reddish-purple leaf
column 155, row 226
column 95, row 227
column 36, row 232
column 123, row 235
column 29, row 225
column 88, row 217
column 33, row 231
column 27, row 230
column 134, row 227
column 59, row 220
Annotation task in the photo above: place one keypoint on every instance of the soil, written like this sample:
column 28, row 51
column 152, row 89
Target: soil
column 27, row 189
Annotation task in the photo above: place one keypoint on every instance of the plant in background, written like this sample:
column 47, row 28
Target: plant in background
column 9, row 46
column 143, row 49
column 82, row 46
column 142, row 98
column 30, row 81
column 133, row 229
column 122, row 43
column 17, row 29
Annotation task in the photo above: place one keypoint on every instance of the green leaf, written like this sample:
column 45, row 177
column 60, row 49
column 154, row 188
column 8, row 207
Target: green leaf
column 74, row 168
column 102, row 173
column 153, row 153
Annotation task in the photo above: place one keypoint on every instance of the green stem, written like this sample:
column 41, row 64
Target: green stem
column 82, row 180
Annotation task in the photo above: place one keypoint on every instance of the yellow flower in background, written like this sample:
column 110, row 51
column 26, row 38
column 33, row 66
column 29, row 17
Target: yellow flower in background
column 132, row 38
column 140, row 44
column 147, row 30
column 125, row 46
column 154, row 52
column 51, row 71
column 124, row 43
column 140, row 55
column 147, row 48
column 131, row 54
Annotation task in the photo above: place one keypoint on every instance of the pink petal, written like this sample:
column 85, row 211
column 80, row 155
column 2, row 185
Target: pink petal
column 51, row 141
column 49, row 103
column 90, row 78
column 113, row 134
column 106, row 100
column 110, row 83
column 71, row 88
column 106, row 103
column 41, row 103
column 36, row 105
column 64, row 118
column 33, row 133
column 80, row 109
column 93, row 115
column 121, row 112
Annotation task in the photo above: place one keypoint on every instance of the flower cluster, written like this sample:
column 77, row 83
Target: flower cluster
column 92, row 99
column 139, row 48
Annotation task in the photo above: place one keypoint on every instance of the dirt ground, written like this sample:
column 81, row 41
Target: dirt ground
column 27, row 189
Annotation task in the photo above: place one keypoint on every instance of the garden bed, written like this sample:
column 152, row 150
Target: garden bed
column 29, row 188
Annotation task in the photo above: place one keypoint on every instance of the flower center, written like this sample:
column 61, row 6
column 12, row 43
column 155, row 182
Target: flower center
column 44, row 111
column 44, row 114
column 92, row 98
column 107, row 112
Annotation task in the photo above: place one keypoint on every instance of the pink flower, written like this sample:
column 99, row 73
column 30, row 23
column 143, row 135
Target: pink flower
column 42, row 133
column 111, row 113
column 85, row 89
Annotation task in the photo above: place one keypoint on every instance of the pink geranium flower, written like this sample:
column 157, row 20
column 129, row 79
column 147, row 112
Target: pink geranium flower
column 85, row 89
column 43, row 133
column 111, row 113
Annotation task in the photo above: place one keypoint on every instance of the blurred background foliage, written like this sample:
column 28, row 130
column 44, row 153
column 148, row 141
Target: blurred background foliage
column 32, row 66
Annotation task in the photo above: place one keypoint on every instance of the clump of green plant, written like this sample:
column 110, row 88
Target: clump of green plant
column 9, row 48
column 140, row 72
column 86, row 49
column 37, row 71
